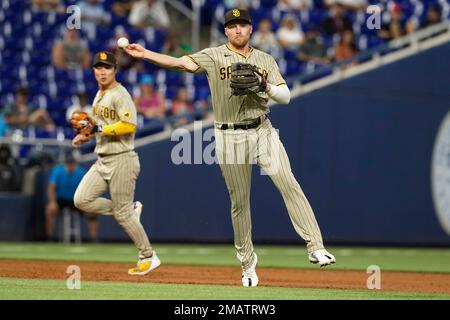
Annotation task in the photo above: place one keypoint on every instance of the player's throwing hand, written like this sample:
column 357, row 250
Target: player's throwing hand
column 135, row 50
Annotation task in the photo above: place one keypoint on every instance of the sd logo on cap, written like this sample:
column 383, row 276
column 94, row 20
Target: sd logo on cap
column 236, row 15
column 104, row 57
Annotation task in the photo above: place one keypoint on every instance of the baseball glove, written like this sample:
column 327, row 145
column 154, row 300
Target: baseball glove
column 82, row 123
column 246, row 79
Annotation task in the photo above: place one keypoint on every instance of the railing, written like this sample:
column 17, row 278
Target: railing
column 193, row 15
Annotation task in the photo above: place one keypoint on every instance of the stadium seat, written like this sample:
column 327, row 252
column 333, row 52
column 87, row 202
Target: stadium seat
column 175, row 78
column 202, row 92
column 151, row 126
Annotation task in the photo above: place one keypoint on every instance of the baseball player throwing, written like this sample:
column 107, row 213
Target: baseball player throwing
column 241, row 80
column 117, row 167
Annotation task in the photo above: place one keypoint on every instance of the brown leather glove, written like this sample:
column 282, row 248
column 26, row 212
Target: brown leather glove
column 246, row 79
column 82, row 123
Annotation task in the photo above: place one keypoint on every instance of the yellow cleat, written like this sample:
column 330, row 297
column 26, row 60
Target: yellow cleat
column 144, row 266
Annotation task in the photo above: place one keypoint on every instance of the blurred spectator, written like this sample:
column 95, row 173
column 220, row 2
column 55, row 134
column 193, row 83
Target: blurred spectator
column 149, row 102
column 72, row 52
column 48, row 5
column 122, row 8
column 395, row 28
column 313, row 49
column 19, row 115
column 63, row 182
column 182, row 108
column 174, row 48
column 149, row 13
column 81, row 105
column 336, row 23
column 10, row 175
column 293, row 5
column 4, row 129
column 289, row 35
column 434, row 16
column 92, row 15
column 124, row 61
column 346, row 48
column 265, row 39
column 354, row 5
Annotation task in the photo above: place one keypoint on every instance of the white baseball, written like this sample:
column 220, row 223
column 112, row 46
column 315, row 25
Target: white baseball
column 123, row 42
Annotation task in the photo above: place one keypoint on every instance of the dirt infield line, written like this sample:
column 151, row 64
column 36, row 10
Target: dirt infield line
column 269, row 277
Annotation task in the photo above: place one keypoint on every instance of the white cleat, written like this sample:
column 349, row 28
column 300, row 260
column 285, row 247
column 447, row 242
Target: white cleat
column 249, row 277
column 144, row 266
column 137, row 207
column 321, row 256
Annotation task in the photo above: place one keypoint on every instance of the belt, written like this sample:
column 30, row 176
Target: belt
column 102, row 155
column 252, row 125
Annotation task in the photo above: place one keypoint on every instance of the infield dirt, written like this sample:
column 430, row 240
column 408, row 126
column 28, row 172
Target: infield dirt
column 269, row 277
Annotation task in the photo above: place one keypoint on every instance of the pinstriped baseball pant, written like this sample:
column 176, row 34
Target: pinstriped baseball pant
column 237, row 151
column 116, row 174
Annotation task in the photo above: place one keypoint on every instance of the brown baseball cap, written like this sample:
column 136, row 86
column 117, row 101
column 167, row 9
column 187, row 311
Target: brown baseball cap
column 104, row 57
column 237, row 14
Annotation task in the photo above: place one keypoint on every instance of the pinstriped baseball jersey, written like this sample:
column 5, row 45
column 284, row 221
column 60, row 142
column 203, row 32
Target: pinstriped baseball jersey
column 242, row 146
column 216, row 63
column 109, row 107
column 116, row 172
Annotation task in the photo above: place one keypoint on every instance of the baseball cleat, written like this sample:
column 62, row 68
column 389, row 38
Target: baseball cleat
column 144, row 266
column 321, row 256
column 249, row 277
column 137, row 207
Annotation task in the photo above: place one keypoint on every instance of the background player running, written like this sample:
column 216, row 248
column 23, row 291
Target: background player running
column 117, row 167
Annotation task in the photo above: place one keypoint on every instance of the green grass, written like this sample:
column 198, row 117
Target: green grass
column 388, row 259
column 25, row 289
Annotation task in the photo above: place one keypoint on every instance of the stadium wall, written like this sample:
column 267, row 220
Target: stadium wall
column 361, row 150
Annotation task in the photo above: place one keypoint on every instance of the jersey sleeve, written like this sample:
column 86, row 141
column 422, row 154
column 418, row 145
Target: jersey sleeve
column 274, row 75
column 203, row 60
column 125, row 108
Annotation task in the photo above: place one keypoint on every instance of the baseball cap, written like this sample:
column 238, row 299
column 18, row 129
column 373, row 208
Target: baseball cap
column 237, row 14
column 104, row 57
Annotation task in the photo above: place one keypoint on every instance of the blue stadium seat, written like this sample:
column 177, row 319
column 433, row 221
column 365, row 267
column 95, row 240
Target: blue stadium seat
column 171, row 92
column 200, row 80
column 293, row 67
column 151, row 126
column 174, row 78
column 10, row 57
column 289, row 55
column 59, row 117
column 9, row 85
column 202, row 92
column 117, row 20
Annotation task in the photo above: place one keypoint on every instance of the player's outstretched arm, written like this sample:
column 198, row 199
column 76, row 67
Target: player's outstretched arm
column 183, row 64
